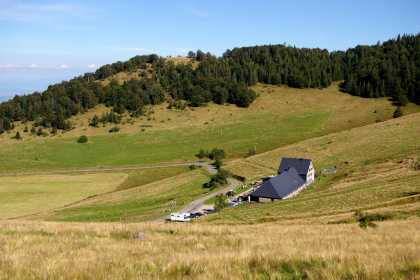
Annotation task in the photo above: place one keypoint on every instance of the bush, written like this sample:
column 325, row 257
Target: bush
column 202, row 153
column 220, row 203
column 17, row 136
column 114, row 129
column 217, row 154
column 218, row 179
column 218, row 163
column 82, row 139
column 367, row 220
column 192, row 167
column 250, row 153
column 398, row 113
column 39, row 133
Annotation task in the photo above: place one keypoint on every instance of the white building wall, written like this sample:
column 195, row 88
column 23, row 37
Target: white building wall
column 310, row 177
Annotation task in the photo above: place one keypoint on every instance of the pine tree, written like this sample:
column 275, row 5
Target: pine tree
column 17, row 136
column 398, row 113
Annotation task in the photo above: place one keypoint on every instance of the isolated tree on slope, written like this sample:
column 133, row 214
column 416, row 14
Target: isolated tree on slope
column 398, row 113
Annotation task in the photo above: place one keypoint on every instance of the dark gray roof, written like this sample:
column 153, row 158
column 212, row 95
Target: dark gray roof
column 300, row 164
column 280, row 186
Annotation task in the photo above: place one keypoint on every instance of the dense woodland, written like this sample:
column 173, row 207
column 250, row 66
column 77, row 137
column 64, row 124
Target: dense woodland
column 390, row 69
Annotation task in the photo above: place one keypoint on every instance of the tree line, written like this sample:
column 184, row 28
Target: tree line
column 389, row 69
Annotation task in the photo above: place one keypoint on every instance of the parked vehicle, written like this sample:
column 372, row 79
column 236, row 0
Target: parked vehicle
column 234, row 203
column 209, row 211
column 231, row 193
column 195, row 215
column 180, row 217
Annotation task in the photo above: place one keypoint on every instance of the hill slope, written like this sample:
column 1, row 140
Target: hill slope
column 376, row 170
column 279, row 117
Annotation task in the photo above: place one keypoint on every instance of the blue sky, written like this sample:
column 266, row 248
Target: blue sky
column 44, row 42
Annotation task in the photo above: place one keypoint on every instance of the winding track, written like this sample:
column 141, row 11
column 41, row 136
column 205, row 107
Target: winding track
column 193, row 206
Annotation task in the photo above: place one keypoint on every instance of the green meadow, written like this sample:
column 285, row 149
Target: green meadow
column 135, row 204
column 26, row 195
column 279, row 117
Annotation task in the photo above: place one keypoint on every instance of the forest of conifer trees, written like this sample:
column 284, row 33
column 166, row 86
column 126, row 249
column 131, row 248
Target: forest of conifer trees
column 390, row 69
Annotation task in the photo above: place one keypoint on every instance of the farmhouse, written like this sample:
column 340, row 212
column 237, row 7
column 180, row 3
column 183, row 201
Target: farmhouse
column 304, row 167
column 294, row 175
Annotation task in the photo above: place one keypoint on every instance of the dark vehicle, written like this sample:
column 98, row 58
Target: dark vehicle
column 209, row 211
column 266, row 179
column 198, row 214
column 193, row 215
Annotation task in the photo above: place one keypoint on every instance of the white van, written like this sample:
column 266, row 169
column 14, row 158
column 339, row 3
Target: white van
column 180, row 217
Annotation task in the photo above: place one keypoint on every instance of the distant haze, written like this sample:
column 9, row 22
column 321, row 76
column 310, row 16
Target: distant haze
column 20, row 86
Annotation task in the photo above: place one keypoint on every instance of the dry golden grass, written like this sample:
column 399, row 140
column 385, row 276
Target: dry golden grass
column 47, row 250
column 121, row 77
column 183, row 60
column 126, row 76
column 25, row 195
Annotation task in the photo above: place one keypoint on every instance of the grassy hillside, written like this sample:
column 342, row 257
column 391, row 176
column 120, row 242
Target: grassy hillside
column 279, row 117
column 196, row 251
column 375, row 165
column 135, row 204
column 25, row 195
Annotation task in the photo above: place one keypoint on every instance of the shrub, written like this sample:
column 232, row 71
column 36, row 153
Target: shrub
column 367, row 220
column 398, row 113
column 82, row 139
column 217, row 154
column 192, row 167
column 221, row 202
column 218, row 163
column 17, row 136
column 250, row 153
column 218, row 179
column 202, row 153
column 114, row 129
